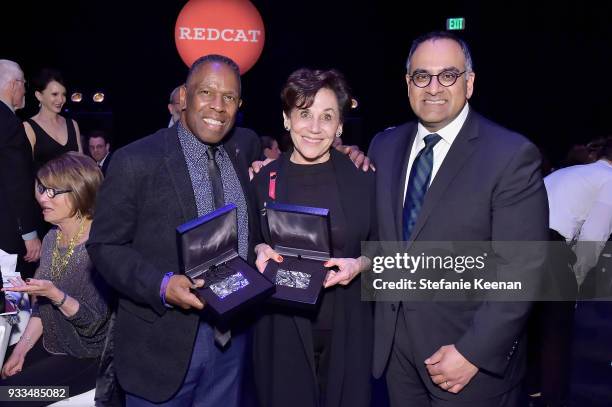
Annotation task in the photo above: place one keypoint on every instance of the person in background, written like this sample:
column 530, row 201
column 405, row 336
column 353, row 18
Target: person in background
column 99, row 148
column 580, row 210
column 18, row 215
column 51, row 134
column 64, row 337
column 174, row 106
column 270, row 148
column 580, row 200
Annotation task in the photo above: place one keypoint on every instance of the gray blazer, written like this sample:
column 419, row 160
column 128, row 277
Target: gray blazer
column 489, row 188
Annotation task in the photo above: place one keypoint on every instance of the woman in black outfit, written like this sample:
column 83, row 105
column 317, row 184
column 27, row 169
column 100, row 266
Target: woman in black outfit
column 51, row 134
column 321, row 358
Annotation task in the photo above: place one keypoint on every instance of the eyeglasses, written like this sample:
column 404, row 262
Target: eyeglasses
column 445, row 78
column 51, row 192
column 22, row 80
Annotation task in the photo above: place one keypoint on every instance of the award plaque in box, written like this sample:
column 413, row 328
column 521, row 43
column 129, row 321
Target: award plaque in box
column 302, row 236
column 208, row 249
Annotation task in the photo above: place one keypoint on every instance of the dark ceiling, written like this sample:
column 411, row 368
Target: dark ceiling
column 542, row 71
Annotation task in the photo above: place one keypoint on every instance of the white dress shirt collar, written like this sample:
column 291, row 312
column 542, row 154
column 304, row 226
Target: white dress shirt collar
column 448, row 132
column 101, row 163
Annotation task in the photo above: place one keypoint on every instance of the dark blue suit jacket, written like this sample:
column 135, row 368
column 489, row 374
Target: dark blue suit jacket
column 489, row 188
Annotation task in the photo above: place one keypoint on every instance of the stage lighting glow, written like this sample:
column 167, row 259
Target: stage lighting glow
column 98, row 97
column 76, row 97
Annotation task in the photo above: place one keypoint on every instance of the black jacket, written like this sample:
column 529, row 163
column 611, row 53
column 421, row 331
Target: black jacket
column 19, row 212
column 283, row 343
column 148, row 193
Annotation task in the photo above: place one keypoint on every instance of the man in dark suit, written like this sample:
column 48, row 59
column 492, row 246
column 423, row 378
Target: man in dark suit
column 165, row 350
column 99, row 148
column 19, row 212
column 454, row 176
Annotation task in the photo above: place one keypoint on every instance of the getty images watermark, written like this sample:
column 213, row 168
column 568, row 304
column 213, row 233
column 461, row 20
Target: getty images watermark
column 470, row 271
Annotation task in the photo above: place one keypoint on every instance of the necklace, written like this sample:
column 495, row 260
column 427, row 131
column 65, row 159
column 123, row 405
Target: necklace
column 59, row 262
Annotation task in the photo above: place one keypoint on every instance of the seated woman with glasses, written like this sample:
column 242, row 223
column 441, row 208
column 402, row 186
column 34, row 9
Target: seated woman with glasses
column 65, row 335
column 322, row 357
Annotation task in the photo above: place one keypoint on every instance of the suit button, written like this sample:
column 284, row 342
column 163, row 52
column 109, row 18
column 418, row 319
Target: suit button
column 393, row 307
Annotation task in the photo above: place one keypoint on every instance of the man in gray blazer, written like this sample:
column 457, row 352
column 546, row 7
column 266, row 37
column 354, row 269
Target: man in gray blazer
column 454, row 176
column 166, row 350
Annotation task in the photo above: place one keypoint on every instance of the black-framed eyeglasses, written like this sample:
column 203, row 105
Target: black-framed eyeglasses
column 445, row 78
column 51, row 192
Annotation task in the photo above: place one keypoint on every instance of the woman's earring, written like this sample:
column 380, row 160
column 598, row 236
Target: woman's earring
column 338, row 133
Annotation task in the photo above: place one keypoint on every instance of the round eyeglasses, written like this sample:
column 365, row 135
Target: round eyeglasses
column 51, row 192
column 445, row 78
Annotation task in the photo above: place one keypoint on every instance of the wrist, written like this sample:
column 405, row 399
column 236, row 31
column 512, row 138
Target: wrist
column 56, row 295
column 260, row 247
column 364, row 263
column 163, row 287
column 61, row 301
column 25, row 344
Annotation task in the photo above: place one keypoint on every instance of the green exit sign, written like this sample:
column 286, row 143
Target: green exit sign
column 455, row 23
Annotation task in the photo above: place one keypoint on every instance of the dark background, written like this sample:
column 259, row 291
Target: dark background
column 543, row 70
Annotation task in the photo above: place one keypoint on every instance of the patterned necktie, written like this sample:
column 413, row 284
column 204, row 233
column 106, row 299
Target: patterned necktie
column 214, row 174
column 420, row 175
column 216, row 183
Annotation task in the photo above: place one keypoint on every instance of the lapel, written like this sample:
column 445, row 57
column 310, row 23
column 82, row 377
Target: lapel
column 174, row 160
column 461, row 149
column 400, row 172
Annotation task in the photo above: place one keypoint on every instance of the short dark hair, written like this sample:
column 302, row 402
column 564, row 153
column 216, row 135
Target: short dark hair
column 77, row 172
column 44, row 77
column 267, row 142
column 99, row 134
column 601, row 148
column 212, row 58
column 442, row 35
column 607, row 149
column 302, row 86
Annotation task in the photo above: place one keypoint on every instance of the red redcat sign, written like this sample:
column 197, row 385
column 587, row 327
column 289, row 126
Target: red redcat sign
column 232, row 28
